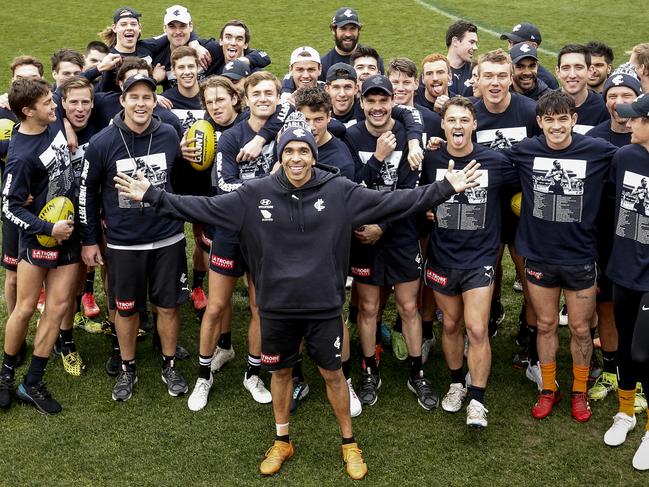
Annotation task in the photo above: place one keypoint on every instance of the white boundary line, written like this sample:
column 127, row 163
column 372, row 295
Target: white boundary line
column 449, row 15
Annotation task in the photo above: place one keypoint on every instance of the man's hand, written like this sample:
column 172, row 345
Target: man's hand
column 415, row 154
column 4, row 101
column 189, row 153
column 71, row 136
column 368, row 234
column 385, row 145
column 251, row 150
column 466, row 178
column 439, row 103
column 204, row 56
column 29, row 200
column 288, row 98
column 133, row 189
column 159, row 73
column 435, row 143
column 164, row 102
column 62, row 230
column 91, row 255
column 430, row 214
column 111, row 61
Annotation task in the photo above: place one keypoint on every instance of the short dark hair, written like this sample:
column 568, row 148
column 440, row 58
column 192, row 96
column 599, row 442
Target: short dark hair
column 555, row 103
column 76, row 82
column 574, row 49
column 236, row 23
column 97, row 46
column 600, row 49
column 364, row 51
column 66, row 55
column 132, row 62
column 458, row 101
column 313, row 97
column 182, row 51
column 402, row 65
column 458, row 29
column 24, row 61
column 25, row 92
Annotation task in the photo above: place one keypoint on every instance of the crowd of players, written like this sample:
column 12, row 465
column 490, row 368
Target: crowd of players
column 577, row 149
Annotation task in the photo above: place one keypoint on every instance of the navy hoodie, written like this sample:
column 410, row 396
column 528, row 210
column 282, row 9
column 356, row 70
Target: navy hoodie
column 296, row 240
column 591, row 113
column 117, row 148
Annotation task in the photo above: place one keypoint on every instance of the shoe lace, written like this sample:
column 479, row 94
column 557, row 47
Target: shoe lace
column 455, row 392
column 369, row 382
column 353, row 454
column 203, row 387
column 172, row 374
column 581, row 402
column 124, row 379
column 423, row 386
column 274, row 451
column 478, row 410
column 39, row 391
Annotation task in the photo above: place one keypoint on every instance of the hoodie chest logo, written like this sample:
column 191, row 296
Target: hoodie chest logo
column 319, row 205
column 265, row 205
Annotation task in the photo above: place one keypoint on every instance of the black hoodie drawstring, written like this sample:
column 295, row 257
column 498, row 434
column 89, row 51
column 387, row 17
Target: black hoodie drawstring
column 298, row 197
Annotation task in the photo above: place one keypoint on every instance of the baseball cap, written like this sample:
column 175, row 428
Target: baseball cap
column 377, row 82
column 177, row 13
column 304, row 53
column 523, row 32
column 618, row 78
column 344, row 16
column 299, row 134
column 124, row 13
column 235, row 70
column 521, row 51
column 139, row 78
column 638, row 108
column 340, row 71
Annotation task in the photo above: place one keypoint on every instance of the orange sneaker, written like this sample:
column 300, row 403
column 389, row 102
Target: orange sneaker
column 276, row 455
column 355, row 466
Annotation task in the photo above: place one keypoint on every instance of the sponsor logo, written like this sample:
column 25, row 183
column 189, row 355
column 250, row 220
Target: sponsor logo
column 337, row 343
column 45, row 254
column 125, row 305
column 361, row 271
column 645, row 308
column 273, row 359
column 266, row 216
column 183, row 283
column 535, row 274
column 9, row 260
column 217, row 261
column 433, row 276
column 319, row 205
column 265, row 203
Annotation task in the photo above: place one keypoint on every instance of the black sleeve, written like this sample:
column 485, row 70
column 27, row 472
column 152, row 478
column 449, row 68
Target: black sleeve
column 414, row 129
column 258, row 59
column 276, row 121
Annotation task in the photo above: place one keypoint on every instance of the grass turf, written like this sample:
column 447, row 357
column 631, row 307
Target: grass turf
column 154, row 439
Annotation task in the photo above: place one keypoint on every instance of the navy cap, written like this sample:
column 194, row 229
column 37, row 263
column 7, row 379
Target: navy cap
column 377, row 82
column 344, row 16
column 521, row 51
column 125, row 13
column 627, row 80
column 299, row 134
column 235, row 70
column 139, row 78
column 639, row 108
column 523, row 32
column 340, row 71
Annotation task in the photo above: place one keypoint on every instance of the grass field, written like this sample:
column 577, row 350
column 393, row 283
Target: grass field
column 154, row 439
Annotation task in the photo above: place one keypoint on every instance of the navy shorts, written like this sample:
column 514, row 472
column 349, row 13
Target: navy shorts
column 453, row 282
column 378, row 265
column 570, row 277
column 10, row 251
column 226, row 258
column 69, row 252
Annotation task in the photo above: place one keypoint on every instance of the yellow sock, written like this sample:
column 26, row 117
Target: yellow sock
column 549, row 376
column 626, row 399
column 580, row 378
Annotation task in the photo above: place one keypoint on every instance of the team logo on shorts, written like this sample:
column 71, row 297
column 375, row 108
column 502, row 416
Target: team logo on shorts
column 436, row 278
column 270, row 359
column 319, row 205
column 45, row 254
column 361, row 271
column 535, row 274
column 337, row 343
column 125, row 305
column 221, row 262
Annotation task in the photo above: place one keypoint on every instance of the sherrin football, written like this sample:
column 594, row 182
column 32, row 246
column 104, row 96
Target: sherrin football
column 203, row 132
column 59, row 208
column 6, row 126
column 516, row 203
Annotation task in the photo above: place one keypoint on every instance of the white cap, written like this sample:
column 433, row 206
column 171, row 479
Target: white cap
column 304, row 53
column 177, row 13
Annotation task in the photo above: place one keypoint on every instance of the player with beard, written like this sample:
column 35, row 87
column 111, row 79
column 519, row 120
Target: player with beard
column 627, row 269
column 436, row 77
column 146, row 252
column 525, row 64
column 38, row 169
column 573, row 68
column 386, row 255
column 462, row 43
column 640, row 59
column 530, row 34
column 601, row 63
column 557, row 235
column 622, row 87
column 462, row 253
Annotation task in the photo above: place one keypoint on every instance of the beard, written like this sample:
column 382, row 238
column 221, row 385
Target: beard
column 340, row 45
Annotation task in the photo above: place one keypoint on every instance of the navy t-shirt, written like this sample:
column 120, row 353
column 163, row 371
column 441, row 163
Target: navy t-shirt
column 332, row 57
column 603, row 131
column 629, row 261
column 460, row 80
column 502, row 130
column 335, row 153
column 562, row 190
column 591, row 113
column 466, row 232
column 188, row 110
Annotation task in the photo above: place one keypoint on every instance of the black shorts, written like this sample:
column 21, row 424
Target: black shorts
column 280, row 342
column 69, row 252
column 509, row 221
column 162, row 272
column 570, row 277
column 453, row 282
column 226, row 258
column 378, row 265
column 10, row 251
